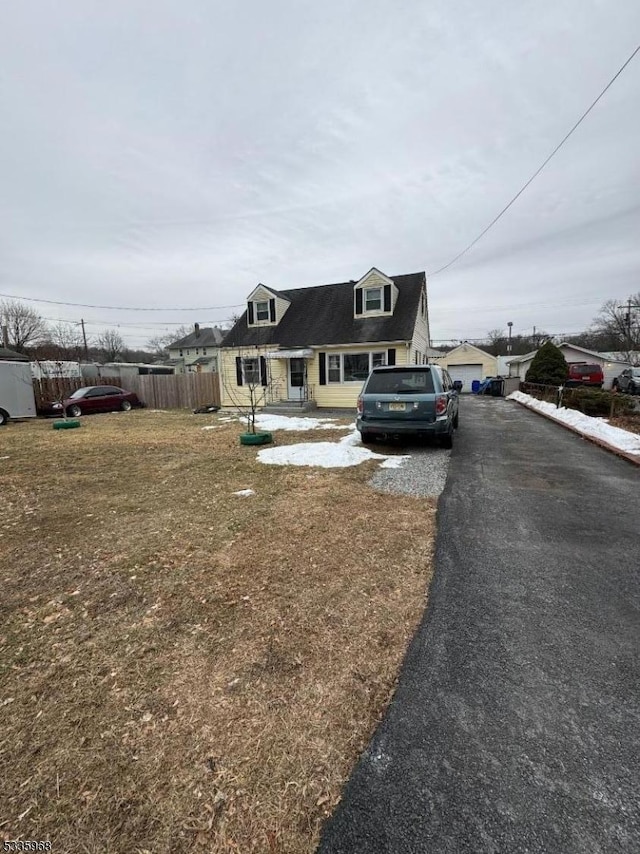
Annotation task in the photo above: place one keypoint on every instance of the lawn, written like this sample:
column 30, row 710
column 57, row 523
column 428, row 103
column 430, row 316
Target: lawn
column 183, row 669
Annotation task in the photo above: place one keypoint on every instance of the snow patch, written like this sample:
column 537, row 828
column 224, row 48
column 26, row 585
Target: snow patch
column 212, row 427
column 596, row 428
column 347, row 452
column 245, row 492
column 289, row 422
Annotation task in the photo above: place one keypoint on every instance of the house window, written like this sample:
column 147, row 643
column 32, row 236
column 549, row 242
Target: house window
column 262, row 310
column 197, row 351
column 353, row 367
column 181, row 353
column 423, row 305
column 356, row 367
column 250, row 371
column 373, row 299
column 334, row 368
column 204, row 351
column 188, row 352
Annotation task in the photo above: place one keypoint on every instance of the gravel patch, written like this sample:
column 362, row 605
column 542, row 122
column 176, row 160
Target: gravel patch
column 422, row 476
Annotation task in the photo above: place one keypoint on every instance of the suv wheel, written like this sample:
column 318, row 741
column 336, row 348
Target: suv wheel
column 447, row 441
column 367, row 438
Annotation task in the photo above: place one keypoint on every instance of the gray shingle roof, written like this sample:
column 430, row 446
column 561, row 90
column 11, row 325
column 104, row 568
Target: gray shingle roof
column 210, row 336
column 324, row 315
column 12, row 356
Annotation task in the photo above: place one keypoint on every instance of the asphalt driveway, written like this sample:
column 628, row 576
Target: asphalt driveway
column 515, row 726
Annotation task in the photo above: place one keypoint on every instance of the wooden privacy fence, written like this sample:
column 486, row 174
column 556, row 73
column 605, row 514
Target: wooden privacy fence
column 156, row 391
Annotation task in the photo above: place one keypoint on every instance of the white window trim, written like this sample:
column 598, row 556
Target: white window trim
column 341, row 356
column 245, row 378
column 366, row 292
column 257, row 303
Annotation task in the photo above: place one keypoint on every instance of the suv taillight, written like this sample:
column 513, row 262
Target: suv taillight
column 441, row 404
column 360, row 405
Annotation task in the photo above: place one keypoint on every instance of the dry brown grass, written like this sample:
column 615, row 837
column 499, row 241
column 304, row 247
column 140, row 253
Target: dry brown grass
column 182, row 669
column 627, row 422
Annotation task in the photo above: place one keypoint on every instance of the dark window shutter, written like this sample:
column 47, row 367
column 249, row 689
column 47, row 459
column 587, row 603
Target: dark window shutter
column 250, row 312
column 322, row 363
column 272, row 310
column 387, row 297
column 391, row 356
column 239, row 370
column 263, row 370
column 359, row 301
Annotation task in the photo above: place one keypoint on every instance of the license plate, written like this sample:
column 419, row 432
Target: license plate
column 396, row 407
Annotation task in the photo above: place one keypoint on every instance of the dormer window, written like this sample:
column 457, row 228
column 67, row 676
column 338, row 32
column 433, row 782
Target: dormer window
column 261, row 309
column 373, row 299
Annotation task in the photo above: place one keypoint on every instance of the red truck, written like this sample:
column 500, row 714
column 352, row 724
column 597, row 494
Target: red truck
column 582, row 373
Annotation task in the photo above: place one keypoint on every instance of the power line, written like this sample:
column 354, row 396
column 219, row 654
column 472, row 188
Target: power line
column 121, row 307
column 539, row 170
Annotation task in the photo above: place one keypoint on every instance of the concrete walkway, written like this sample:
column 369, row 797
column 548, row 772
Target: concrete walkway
column 516, row 723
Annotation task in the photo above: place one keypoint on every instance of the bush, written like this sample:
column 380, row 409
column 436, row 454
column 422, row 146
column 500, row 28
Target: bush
column 594, row 401
column 549, row 367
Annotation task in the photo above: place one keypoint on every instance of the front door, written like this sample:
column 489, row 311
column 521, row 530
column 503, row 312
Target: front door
column 296, row 376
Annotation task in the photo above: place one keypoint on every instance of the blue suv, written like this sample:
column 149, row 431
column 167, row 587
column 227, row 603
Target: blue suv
column 418, row 400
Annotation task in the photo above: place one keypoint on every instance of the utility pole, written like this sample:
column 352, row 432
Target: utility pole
column 510, row 325
column 627, row 324
column 84, row 338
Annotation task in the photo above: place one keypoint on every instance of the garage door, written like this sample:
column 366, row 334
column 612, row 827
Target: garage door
column 466, row 373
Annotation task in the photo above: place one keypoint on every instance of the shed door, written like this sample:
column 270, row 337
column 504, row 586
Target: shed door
column 467, row 374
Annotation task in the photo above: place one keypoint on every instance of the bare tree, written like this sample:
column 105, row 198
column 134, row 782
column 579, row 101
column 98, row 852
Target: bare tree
column 111, row 344
column 496, row 342
column 66, row 339
column 25, row 326
column 251, row 387
column 619, row 323
column 159, row 344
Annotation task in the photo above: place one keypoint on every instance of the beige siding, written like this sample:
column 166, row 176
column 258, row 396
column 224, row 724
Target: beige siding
column 345, row 395
column 331, row 395
column 234, row 395
column 420, row 340
column 374, row 279
column 263, row 294
column 281, row 306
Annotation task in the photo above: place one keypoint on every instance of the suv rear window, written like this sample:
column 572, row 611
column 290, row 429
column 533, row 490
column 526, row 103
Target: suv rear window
column 583, row 370
column 400, row 381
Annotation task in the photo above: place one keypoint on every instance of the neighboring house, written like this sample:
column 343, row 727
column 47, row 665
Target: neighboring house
column 631, row 357
column 198, row 351
column 318, row 344
column 573, row 354
column 467, row 363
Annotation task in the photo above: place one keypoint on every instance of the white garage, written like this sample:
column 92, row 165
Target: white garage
column 467, row 374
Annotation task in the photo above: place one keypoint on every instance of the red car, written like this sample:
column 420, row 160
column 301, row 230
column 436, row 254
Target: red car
column 93, row 398
column 581, row 373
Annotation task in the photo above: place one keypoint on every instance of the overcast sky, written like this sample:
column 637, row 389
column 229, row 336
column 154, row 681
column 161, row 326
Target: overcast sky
column 174, row 154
